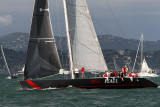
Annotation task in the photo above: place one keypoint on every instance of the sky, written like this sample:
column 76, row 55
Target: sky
column 124, row 18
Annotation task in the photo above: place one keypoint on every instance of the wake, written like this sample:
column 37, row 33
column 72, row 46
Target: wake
column 9, row 77
column 158, row 87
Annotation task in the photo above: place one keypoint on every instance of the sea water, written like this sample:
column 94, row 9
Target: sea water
column 11, row 95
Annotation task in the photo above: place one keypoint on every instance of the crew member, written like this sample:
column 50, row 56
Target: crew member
column 99, row 74
column 83, row 71
column 124, row 70
column 119, row 74
column 115, row 74
column 135, row 74
column 105, row 76
column 131, row 77
column 76, row 72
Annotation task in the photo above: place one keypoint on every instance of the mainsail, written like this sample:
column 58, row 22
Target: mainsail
column 84, row 46
column 42, row 58
column 145, row 68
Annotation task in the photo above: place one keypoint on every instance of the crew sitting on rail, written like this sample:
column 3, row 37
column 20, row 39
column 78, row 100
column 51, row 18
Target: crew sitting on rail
column 135, row 74
column 105, row 76
column 111, row 74
column 131, row 77
column 115, row 74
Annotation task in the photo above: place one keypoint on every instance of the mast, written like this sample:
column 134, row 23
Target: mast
column 141, row 49
column 115, row 65
column 4, row 58
column 139, row 46
column 68, row 40
column 42, row 58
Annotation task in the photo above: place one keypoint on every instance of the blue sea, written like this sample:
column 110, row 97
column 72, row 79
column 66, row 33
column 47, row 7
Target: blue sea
column 11, row 95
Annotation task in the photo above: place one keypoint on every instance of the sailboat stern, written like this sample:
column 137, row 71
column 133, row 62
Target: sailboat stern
column 43, row 84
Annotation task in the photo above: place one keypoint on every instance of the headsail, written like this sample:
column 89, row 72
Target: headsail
column 145, row 67
column 42, row 57
column 85, row 48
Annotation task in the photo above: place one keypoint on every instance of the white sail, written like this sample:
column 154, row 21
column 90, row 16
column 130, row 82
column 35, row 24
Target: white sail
column 23, row 69
column 145, row 67
column 84, row 45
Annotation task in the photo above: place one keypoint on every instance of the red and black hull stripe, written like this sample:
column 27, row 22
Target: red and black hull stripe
column 88, row 83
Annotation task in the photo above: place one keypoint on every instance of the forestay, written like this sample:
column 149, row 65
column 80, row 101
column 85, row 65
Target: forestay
column 84, row 45
column 42, row 57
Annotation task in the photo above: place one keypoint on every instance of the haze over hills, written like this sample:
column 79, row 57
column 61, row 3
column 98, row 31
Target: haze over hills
column 19, row 41
column 16, row 59
column 125, row 54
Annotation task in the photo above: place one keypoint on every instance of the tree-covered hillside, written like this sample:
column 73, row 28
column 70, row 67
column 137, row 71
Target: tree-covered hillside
column 19, row 41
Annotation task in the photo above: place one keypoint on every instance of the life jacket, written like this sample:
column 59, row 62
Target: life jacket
column 105, row 75
column 82, row 70
column 130, row 74
column 123, row 70
column 115, row 75
column 135, row 75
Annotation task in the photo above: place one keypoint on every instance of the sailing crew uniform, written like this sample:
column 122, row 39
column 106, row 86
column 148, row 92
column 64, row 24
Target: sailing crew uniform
column 135, row 75
column 76, row 73
column 115, row 75
column 124, row 71
column 130, row 75
column 82, row 70
column 105, row 75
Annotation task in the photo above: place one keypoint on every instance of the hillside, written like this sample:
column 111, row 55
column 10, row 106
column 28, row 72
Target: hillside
column 16, row 59
column 18, row 41
column 15, row 41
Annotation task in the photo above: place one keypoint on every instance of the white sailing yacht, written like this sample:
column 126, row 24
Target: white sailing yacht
column 145, row 70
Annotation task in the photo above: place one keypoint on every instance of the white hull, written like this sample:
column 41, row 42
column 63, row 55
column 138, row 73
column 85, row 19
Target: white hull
column 147, row 75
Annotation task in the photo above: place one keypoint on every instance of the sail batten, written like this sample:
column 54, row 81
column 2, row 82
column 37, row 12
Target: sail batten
column 42, row 58
column 85, row 47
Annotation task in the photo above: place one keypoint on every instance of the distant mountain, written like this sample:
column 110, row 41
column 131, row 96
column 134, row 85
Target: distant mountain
column 16, row 59
column 118, row 43
column 110, row 44
column 18, row 41
column 15, row 41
